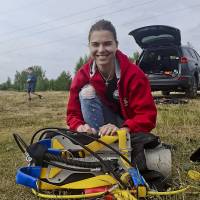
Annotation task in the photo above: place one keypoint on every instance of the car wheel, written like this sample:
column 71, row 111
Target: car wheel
column 191, row 92
column 165, row 93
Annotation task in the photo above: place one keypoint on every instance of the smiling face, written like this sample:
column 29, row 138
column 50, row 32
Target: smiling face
column 103, row 47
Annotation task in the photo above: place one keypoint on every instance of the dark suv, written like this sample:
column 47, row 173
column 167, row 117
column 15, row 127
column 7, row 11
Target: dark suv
column 168, row 65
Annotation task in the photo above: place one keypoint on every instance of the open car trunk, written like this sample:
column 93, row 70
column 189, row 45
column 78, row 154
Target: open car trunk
column 156, row 35
column 160, row 62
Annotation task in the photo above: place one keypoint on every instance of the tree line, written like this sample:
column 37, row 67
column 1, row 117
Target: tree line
column 61, row 83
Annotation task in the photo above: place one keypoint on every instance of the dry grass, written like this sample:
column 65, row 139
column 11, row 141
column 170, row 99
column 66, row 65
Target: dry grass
column 177, row 124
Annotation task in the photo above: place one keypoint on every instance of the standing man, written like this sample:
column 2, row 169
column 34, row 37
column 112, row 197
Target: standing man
column 31, row 83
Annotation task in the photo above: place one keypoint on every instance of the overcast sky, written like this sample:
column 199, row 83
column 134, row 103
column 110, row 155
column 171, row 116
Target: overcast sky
column 53, row 33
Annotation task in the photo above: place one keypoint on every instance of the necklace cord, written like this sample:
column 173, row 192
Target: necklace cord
column 106, row 79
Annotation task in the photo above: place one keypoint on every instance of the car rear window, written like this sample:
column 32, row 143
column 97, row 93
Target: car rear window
column 153, row 38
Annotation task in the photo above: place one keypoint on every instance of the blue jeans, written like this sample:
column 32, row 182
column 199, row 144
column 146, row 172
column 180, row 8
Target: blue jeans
column 31, row 87
column 94, row 112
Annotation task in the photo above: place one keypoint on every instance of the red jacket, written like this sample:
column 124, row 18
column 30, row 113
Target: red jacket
column 136, row 102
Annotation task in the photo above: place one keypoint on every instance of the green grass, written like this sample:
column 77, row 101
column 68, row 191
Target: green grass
column 178, row 125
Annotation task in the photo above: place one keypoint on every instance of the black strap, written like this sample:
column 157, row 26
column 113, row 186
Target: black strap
column 140, row 142
column 37, row 152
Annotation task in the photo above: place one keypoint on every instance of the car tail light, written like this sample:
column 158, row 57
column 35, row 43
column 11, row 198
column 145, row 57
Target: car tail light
column 183, row 60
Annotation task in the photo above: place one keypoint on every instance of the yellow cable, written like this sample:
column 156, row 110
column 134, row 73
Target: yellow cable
column 152, row 193
column 195, row 187
column 119, row 194
column 123, row 195
column 80, row 196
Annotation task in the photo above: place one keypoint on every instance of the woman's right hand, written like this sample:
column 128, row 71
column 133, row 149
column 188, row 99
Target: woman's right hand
column 86, row 128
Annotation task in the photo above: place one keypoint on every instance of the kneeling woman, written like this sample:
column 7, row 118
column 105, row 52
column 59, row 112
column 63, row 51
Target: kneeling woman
column 109, row 92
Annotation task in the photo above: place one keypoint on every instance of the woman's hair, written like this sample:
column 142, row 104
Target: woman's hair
column 30, row 68
column 103, row 25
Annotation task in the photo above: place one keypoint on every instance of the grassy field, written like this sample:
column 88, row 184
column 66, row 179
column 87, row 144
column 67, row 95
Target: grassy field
column 178, row 125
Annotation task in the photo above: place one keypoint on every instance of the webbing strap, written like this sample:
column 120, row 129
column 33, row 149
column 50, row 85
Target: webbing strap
column 28, row 176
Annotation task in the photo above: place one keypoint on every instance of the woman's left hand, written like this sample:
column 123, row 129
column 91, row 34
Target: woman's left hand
column 108, row 129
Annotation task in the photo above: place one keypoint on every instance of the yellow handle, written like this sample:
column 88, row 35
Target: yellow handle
column 195, row 175
column 123, row 148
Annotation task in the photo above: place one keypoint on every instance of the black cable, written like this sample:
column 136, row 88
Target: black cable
column 53, row 157
column 93, row 153
column 104, row 165
column 94, row 138
column 21, row 144
column 79, row 163
column 67, row 167
column 42, row 135
column 57, row 184
column 37, row 132
column 107, row 145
